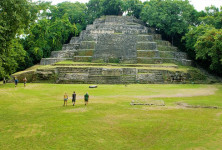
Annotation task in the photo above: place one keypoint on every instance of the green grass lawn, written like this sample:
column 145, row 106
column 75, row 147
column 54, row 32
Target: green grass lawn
column 33, row 117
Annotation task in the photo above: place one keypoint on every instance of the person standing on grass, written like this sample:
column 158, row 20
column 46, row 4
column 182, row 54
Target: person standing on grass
column 73, row 98
column 24, row 80
column 86, row 98
column 4, row 81
column 65, row 99
column 16, row 81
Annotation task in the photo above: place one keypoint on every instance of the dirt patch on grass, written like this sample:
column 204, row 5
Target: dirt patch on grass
column 184, row 93
column 219, row 114
column 76, row 110
column 158, row 107
column 195, row 106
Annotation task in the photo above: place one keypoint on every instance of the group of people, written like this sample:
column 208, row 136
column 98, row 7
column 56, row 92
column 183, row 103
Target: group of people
column 66, row 97
column 16, row 81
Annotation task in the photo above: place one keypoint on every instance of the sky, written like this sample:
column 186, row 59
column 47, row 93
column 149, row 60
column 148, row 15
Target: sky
column 198, row 4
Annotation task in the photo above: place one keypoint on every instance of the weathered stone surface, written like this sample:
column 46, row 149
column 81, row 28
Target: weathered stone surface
column 119, row 39
column 48, row 61
column 146, row 46
column 117, row 46
column 102, row 75
column 116, row 39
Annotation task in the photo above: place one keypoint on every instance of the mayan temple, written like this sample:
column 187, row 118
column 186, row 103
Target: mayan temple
column 122, row 39
column 116, row 50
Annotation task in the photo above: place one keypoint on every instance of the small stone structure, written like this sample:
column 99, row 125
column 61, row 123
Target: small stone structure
column 148, row 102
column 118, row 39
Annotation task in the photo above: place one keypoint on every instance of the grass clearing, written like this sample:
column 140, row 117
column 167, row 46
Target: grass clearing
column 33, row 117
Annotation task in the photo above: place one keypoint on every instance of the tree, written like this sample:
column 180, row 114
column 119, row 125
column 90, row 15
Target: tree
column 192, row 36
column 170, row 17
column 133, row 7
column 209, row 47
column 112, row 7
column 47, row 36
column 94, row 10
column 15, row 18
column 77, row 13
column 212, row 17
column 203, row 42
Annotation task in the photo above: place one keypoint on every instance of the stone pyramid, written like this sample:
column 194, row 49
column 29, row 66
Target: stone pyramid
column 118, row 39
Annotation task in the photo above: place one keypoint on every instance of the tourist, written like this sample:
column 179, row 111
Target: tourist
column 16, row 81
column 73, row 98
column 24, row 80
column 4, row 81
column 65, row 99
column 86, row 98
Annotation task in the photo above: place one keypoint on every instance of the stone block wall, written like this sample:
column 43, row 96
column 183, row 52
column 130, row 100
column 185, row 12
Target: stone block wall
column 119, row 39
column 116, row 46
column 102, row 75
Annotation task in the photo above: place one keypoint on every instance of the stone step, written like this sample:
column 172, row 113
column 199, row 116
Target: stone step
column 146, row 46
column 120, row 65
column 87, row 45
column 82, row 58
column 49, row 61
column 155, row 60
column 63, row 54
column 70, row 46
column 105, row 79
column 149, row 60
column 141, row 38
column 63, row 70
column 166, row 48
column 147, row 53
column 163, row 43
column 85, row 52
column 167, row 54
column 74, row 40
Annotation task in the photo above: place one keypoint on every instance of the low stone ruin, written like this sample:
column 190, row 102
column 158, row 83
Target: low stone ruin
column 148, row 102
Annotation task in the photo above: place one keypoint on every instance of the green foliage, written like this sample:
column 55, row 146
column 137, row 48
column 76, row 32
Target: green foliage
column 203, row 42
column 169, row 17
column 212, row 17
column 192, row 36
column 132, row 7
column 77, row 13
column 112, row 7
column 15, row 18
column 94, row 10
column 46, row 36
column 209, row 47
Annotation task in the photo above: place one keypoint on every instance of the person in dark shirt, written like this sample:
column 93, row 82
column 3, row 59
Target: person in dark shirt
column 73, row 98
column 16, row 81
column 86, row 98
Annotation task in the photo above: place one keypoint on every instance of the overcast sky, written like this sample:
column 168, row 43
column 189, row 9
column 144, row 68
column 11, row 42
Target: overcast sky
column 198, row 4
